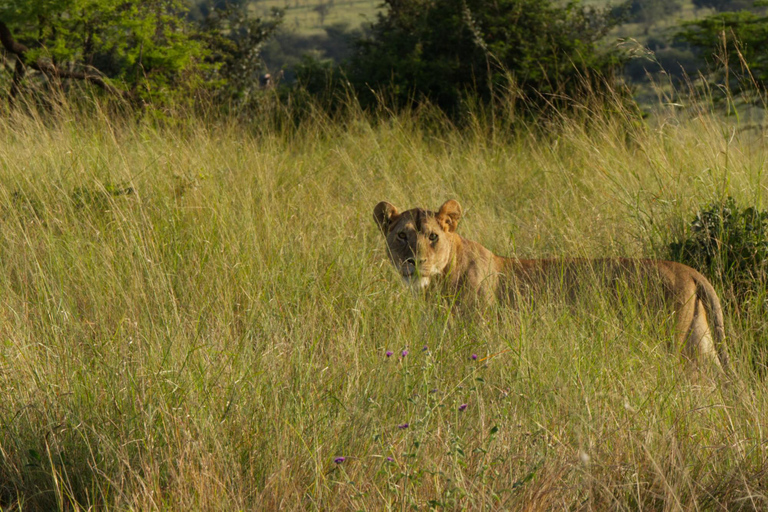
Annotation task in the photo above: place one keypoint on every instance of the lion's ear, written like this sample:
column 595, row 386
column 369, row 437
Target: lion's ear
column 385, row 214
column 449, row 215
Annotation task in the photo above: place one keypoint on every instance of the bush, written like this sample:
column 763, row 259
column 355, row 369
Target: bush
column 728, row 244
column 447, row 50
column 732, row 43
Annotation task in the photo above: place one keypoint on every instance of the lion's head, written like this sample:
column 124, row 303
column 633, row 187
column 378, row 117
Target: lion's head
column 419, row 242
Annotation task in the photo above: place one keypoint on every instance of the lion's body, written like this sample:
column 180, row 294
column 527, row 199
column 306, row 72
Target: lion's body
column 426, row 250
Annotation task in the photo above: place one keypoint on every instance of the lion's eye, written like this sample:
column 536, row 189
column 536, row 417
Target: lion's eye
column 433, row 237
column 401, row 235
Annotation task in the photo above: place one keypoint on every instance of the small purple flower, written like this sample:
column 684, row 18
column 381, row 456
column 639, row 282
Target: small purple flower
column 474, row 357
column 390, row 459
column 339, row 460
column 403, row 426
column 425, row 348
column 389, row 353
column 404, row 353
column 462, row 407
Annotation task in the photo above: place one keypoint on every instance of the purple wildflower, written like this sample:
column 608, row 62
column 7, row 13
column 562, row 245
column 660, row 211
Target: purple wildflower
column 462, row 407
column 389, row 353
column 425, row 348
column 474, row 357
column 339, row 460
column 404, row 353
column 403, row 426
column 390, row 459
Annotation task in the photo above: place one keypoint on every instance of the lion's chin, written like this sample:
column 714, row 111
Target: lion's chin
column 416, row 284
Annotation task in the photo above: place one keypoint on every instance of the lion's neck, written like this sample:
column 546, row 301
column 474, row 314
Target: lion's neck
column 468, row 256
column 457, row 259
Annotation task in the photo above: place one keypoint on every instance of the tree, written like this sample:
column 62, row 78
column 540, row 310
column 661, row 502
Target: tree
column 235, row 41
column 136, row 49
column 734, row 44
column 445, row 49
column 114, row 44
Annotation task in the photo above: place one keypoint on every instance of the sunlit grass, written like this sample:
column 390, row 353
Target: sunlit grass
column 198, row 317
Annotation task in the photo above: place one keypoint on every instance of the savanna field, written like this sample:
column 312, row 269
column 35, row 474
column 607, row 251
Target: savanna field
column 197, row 315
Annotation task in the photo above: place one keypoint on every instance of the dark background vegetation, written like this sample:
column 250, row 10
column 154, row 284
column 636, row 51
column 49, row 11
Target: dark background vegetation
column 452, row 53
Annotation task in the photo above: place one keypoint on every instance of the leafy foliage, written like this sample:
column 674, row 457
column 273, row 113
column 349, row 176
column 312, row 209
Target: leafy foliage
column 733, row 43
column 236, row 40
column 148, row 46
column 443, row 49
column 152, row 50
column 729, row 243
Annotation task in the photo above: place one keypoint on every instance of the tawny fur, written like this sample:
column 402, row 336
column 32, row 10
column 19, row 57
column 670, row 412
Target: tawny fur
column 425, row 249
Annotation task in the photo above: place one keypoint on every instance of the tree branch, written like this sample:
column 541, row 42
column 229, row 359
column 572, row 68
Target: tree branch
column 18, row 50
column 9, row 43
column 48, row 68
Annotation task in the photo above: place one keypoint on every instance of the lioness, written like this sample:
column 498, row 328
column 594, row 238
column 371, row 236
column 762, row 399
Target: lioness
column 425, row 248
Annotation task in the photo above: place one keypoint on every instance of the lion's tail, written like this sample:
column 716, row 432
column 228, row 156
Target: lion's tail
column 705, row 292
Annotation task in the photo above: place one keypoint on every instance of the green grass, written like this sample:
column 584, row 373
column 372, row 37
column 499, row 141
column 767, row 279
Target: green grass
column 302, row 18
column 215, row 338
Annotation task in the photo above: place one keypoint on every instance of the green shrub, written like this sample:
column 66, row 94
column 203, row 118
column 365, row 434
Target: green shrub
column 447, row 50
column 729, row 244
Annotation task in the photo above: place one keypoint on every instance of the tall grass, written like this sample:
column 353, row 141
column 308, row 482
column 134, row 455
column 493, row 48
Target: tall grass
column 197, row 317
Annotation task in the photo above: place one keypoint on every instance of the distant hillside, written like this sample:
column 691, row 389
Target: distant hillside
column 311, row 17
